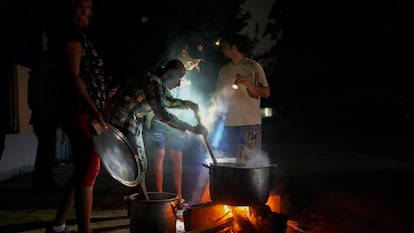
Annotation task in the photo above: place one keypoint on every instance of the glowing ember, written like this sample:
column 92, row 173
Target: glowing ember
column 237, row 209
column 218, row 218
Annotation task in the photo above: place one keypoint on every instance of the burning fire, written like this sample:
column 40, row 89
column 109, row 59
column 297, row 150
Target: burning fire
column 236, row 209
column 209, row 217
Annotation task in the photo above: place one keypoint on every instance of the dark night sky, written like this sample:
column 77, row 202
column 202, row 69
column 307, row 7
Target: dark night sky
column 353, row 56
column 347, row 52
column 371, row 35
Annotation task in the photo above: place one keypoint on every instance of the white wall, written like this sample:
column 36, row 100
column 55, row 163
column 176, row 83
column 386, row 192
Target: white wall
column 20, row 149
column 18, row 156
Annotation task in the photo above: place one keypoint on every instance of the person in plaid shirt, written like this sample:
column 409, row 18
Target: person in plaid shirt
column 145, row 101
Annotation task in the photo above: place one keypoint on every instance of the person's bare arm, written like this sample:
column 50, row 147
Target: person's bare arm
column 73, row 54
column 254, row 91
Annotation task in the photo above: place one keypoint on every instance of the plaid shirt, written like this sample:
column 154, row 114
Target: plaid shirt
column 146, row 96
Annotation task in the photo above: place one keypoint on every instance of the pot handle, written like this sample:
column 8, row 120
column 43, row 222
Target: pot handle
column 126, row 199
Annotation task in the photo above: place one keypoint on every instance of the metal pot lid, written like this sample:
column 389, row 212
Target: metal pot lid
column 118, row 157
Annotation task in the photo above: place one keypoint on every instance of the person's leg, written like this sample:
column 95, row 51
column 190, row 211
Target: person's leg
column 230, row 141
column 176, row 158
column 175, row 142
column 43, row 179
column 87, row 171
column 83, row 208
column 158, row 159
column 157, row 135
column 80, row 196
column 66, row 205
column 201, row 189
column 69, row 126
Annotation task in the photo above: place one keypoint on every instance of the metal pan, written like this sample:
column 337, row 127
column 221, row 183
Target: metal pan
column 118, row 157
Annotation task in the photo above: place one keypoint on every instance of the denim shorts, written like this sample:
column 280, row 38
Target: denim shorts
column 164, row 136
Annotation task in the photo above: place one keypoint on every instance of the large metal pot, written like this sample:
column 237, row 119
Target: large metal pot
column 155, row 215
column 238, row 184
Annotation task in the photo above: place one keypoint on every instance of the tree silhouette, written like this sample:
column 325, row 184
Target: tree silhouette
column 139, row 36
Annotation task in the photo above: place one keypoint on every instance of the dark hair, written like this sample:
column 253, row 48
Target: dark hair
column 242, row 42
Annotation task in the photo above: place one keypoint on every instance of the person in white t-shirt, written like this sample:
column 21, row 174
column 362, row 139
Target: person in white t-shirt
column 241, row 84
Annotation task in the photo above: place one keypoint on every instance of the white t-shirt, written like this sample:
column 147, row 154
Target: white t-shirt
column 239, row 108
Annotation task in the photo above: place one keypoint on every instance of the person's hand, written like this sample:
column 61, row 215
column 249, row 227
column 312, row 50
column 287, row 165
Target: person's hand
column 98, row 124
column 200, row 129
column 243, row 80
column 100, row 119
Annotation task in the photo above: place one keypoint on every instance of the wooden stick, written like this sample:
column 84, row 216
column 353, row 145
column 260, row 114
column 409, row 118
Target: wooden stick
column 245, row 223
column 212, row 228
column 210, row 149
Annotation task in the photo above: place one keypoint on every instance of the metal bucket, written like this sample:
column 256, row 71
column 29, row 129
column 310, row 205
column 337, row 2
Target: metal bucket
column 155, row 215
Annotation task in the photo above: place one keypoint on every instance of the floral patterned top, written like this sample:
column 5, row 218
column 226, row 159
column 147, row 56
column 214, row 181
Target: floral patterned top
column 92, row 73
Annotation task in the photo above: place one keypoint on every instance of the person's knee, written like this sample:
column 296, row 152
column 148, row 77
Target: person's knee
column 91, row 172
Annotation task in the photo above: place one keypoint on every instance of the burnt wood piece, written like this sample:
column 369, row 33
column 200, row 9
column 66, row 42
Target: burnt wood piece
column 265, row 220
column 213, row 228
column 203, row 215
column 245, row 224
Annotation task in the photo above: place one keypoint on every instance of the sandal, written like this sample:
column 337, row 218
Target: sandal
column 181, row 207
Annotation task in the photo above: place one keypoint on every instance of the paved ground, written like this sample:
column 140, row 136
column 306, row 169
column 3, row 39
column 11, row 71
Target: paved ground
column 347, row 181
column 329, row 181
